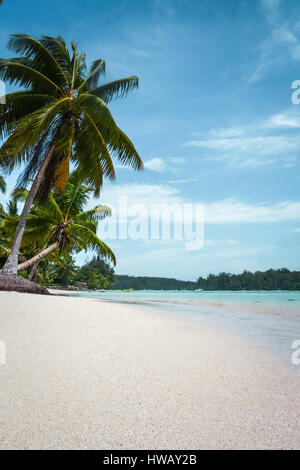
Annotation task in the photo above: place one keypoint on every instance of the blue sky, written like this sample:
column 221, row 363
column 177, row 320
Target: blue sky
column 213, row 120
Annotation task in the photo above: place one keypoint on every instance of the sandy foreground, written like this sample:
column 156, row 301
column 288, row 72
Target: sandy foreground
column 89, row 374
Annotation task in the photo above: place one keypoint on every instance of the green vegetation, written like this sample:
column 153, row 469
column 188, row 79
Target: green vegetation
column 273, row 279
column 63, row 272
column 60, row 226
column 60, row 116
column 95, row 274
column 61, row 223
column 152, row 283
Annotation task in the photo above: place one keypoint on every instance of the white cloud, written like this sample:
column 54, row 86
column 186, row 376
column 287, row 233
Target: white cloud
column 226, row 211
column 188, row 180
column 155, row 164
column 229, row 132
column 235, row 211
column 255, row 144
column 212, row 243
column 289, row 119
column 145, row 194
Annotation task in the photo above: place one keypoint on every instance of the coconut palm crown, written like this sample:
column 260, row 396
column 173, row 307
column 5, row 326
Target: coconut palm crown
column 60, row 116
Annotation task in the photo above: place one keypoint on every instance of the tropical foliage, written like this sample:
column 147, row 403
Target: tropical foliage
column 60, row 224
column 95, row 274
column 62, row 272
column 60, row 116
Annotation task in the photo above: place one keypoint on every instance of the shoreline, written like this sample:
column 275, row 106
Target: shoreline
column 87, row 374
column 253, row 307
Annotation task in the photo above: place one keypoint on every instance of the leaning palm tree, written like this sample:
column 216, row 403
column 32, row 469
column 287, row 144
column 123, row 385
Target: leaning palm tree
column 2, row 185
column 60, row 116
column 2, row 190
column 10, row 211
column 61, row 224
column 4, row 243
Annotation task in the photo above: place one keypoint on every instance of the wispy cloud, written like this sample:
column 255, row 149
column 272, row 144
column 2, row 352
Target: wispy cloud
column 289, row 119
column 187, row 180
column 256, row 144
column 235, row 211
column 155, row 164
column 226, row 211
column 283, row 34
column 213, row 243
column 271, row 8
column 249, row 151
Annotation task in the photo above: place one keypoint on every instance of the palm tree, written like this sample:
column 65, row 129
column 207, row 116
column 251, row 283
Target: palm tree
column 61, row 224
column 60, row 116
column 3, row 241
column 2, row 185
column 10, row 211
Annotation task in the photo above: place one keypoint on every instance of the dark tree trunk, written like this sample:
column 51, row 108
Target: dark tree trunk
column 11, row 265
column 32, row 276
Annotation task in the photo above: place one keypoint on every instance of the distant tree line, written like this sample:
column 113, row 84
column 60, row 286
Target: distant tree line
column 273, row 279
column 152, row 283
column 98, row 274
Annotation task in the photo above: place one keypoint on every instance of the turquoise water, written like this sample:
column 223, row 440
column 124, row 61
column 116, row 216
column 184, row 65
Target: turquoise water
column 262, row 297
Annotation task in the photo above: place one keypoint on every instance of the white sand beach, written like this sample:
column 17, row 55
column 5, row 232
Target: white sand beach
column 89, row 374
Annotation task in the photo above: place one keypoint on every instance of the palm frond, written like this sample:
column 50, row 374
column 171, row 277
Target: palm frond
column 116, row 140
column 86, row 239
column 19, row 194
column 78, row 64
column 97, row 69
column 97, row 213
column 116, row 89
column 49, row 210
column 41, row 57
column 123, row 148
column 19, row 71
column 27, row 131
column 18, row 105
column 58, row 47
column 72, row 200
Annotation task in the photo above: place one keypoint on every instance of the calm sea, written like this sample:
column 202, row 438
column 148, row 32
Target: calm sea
column 263, row 297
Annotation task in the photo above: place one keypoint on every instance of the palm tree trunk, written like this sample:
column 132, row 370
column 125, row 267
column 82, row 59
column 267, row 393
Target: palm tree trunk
column 11, row 265
column 32, row 276
column 38, row 257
